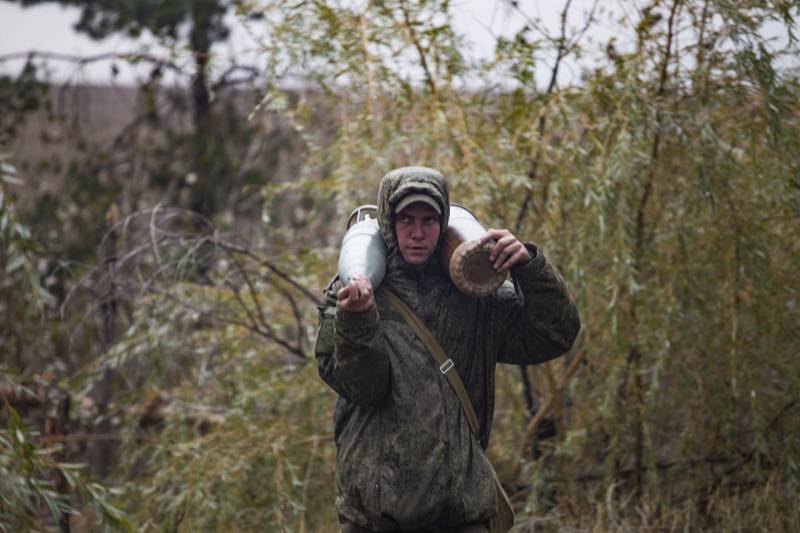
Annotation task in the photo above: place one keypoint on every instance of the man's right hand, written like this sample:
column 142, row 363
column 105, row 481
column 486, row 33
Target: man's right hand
column 356, row 296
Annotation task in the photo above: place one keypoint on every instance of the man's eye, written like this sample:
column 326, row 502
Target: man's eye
column 430, row 221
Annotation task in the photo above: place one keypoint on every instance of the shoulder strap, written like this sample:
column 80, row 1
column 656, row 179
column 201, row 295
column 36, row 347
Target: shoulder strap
column 445, row 363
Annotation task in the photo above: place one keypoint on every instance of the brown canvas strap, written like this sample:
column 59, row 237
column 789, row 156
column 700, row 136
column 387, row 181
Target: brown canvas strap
column 446, row 366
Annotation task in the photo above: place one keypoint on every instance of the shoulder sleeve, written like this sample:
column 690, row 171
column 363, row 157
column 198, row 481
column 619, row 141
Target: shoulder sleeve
column 325, row 342
column 537, row 319
column 350, row 355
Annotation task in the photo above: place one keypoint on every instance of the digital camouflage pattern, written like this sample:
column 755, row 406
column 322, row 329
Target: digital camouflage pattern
column 406, row 458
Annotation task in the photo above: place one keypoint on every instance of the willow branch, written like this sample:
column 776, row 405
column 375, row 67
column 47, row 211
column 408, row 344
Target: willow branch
column 418, row 46
column 654, row 152
column 564, row 48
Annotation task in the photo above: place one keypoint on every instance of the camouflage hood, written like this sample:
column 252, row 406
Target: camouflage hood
column 401, row 182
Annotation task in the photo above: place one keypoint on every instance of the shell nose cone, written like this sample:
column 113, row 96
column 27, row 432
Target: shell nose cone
column 363, row 252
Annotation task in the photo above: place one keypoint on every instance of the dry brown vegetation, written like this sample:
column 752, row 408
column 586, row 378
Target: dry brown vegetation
column 162, row 269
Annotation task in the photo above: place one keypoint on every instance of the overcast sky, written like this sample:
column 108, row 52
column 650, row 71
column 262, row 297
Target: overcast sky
column 48, row 28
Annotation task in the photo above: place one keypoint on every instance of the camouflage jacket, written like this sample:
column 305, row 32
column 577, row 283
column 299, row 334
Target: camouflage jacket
column 406, row 458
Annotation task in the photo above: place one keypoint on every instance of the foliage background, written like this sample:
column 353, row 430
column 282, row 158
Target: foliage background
column 162, row 264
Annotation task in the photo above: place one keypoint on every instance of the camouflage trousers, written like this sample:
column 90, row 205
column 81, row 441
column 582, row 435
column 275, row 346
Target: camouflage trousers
column 475, row 527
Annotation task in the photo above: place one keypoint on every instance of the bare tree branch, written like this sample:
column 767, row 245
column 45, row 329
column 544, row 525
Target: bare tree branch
column 85, row 60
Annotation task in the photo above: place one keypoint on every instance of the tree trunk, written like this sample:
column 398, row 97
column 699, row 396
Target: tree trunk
column 100, row 450
column 201, row 198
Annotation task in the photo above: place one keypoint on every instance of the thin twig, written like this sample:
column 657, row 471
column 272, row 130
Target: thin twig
column 272, row 267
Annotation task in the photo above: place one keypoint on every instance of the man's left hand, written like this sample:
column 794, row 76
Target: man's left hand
column 508, row 251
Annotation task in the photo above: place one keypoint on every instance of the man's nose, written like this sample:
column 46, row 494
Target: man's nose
column 417, row 231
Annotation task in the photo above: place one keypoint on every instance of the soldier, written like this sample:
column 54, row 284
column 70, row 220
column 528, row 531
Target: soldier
column 406, row 458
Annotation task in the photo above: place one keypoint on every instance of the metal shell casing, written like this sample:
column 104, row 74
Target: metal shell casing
column 363, row 251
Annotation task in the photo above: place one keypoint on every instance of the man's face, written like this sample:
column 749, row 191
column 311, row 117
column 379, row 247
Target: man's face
column 417, row 228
